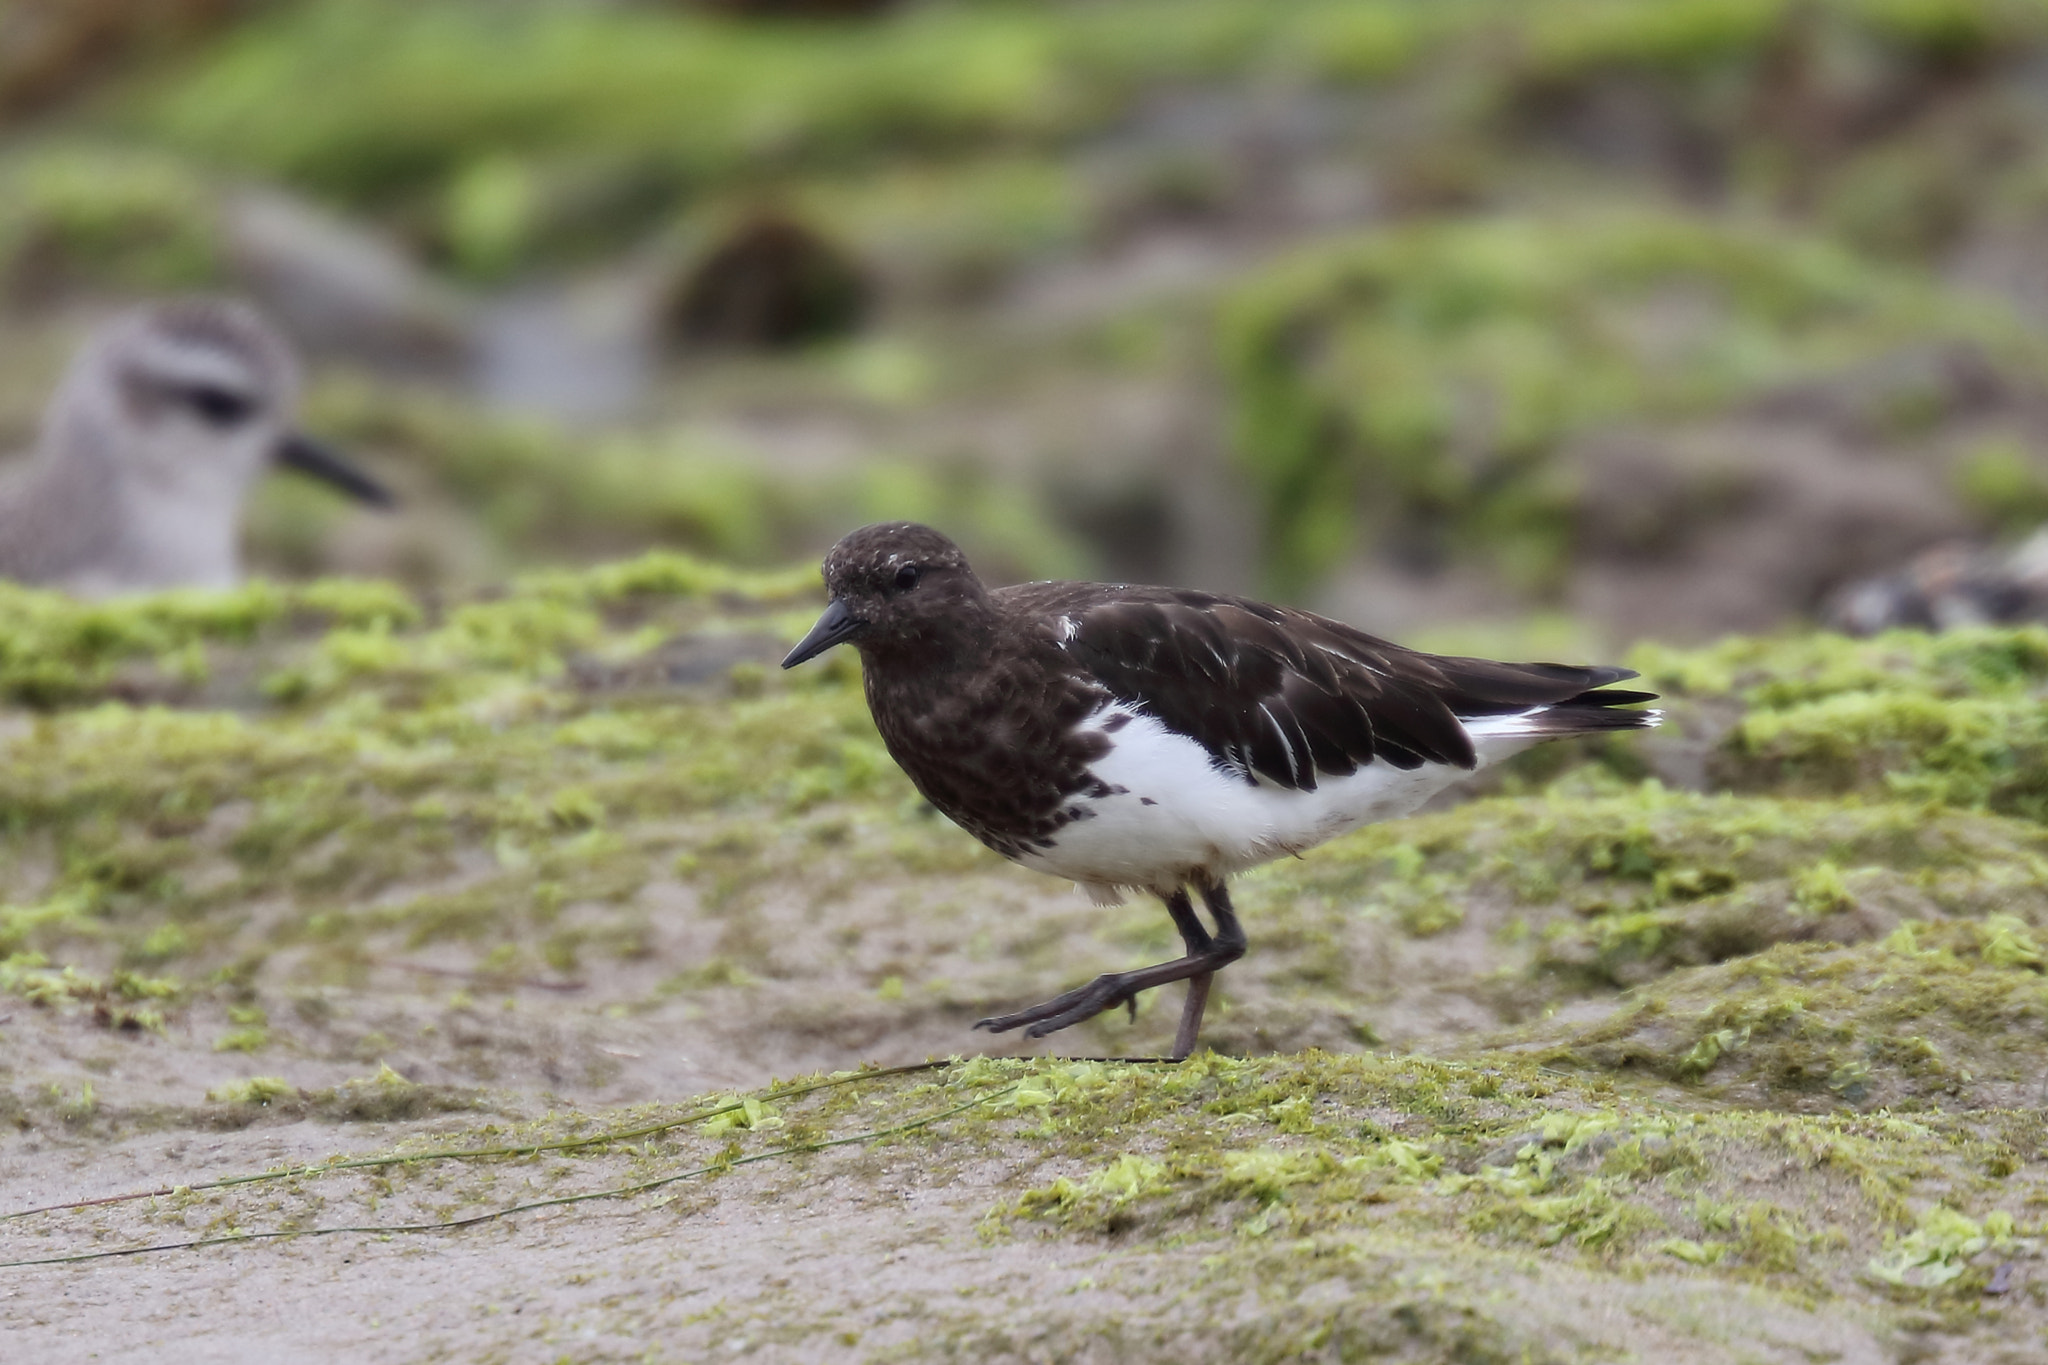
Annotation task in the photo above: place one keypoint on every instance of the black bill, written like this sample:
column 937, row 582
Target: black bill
column 835, row 625
column 322, row 462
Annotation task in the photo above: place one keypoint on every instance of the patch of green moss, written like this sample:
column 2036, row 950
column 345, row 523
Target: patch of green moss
column 1404, row 1149
column 1933, row 1016
column 2001, row 485
column 1424, row 377
column 57, row 651
column 526, row 133
column 953, row 230
column 556, row 123
column 122, row 1000
column 125, row 219
column 259, row 1091
column 403, row 774
column 1657, row 878
column 1390, row 1204
column 386, row 1097
column 1951, row 719
column 539, row 492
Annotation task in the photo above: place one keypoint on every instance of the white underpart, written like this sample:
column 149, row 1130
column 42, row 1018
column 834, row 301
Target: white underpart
column 1173, row 817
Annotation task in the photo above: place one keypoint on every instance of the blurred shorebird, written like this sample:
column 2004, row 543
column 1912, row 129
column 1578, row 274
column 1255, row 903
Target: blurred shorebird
column 165, row 418
column 1156, row 739
column 1948, row 587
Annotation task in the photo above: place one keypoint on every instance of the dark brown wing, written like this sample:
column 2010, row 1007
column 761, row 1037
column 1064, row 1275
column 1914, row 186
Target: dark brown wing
column 1288, row 695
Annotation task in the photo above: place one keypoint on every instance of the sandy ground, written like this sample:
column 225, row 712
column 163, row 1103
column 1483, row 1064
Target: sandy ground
column 866, row 1252
column 891, row 1247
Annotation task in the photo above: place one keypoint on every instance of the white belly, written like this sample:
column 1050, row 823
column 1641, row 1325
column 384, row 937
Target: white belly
column 1172, row 817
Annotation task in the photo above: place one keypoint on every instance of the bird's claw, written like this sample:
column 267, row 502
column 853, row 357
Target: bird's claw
column 1099, row 996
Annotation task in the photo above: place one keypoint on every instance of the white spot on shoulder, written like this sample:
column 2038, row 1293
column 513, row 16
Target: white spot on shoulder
column 1069, row 628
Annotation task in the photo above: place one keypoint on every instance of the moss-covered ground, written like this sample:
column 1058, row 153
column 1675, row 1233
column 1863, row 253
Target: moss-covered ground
column 1719, row 1044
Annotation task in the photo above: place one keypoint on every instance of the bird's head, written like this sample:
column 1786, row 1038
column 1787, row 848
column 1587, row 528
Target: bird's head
column 896, row 586
column 193, row 398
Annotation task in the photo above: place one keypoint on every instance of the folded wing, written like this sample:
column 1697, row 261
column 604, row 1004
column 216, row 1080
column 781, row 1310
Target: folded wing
column 1285, row 696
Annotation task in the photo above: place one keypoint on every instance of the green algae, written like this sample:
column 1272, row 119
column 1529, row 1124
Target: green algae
column 55, row 650
column 403, row 774
column 1571, row 856
column 380, row 739
column 615, row 111
column 1449, row 1210
column 1539, row 1162
column 121, row 1000
column 524, row 136
column 1794, row 1037
column 259, row 1091
column 1442, row 365
column 111, row 218
column 1933, row 1016
column 542, row 492
column 1952, row 720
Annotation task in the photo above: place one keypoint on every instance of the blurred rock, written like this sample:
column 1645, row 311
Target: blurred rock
column 769, row 283
column 577, row 351
column 340, row 289
column 1740, row 524
column 1951, row 585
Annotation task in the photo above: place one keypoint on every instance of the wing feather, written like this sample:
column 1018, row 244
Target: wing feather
column 1285, row 696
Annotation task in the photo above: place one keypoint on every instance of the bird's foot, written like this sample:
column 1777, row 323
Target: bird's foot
column 1104, row 993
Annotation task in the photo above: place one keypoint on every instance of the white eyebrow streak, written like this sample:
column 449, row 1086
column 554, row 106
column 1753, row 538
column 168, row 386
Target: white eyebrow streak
column 196, row 364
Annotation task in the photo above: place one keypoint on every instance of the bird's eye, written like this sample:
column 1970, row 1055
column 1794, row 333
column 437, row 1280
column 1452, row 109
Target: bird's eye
column 907, row 576
column 219, row 407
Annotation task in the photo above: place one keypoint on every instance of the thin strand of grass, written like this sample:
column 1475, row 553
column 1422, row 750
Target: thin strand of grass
column 454, row 1154
column 475, row 1220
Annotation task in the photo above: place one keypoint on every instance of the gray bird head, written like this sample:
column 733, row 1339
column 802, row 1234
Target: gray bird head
column 190, row 401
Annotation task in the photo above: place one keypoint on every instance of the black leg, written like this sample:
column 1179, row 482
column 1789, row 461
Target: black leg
column 1230, row 940
column 1205, row 955
column 1192, row 933
column 1191, row 1016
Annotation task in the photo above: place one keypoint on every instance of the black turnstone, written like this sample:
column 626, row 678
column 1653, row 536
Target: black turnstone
column 1155, row 739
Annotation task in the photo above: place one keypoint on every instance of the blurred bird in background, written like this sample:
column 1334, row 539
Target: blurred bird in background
column 166, row 417
column 1948, row 587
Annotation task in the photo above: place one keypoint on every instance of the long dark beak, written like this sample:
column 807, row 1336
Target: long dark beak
column 324, row 463
column 835, row 625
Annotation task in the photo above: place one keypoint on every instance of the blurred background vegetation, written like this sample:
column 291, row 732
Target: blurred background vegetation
column 1571, row 320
